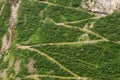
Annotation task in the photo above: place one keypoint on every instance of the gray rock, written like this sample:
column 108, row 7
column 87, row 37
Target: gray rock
column 101, row 6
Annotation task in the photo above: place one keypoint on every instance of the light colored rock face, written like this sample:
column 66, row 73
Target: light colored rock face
column 102, row 6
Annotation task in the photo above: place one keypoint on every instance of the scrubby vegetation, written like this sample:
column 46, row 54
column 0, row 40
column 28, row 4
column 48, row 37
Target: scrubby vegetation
column 29, row 19
column 99, row 61
column 65, row 14
column 109, row 26
column 44, row 30
column 83, row 23
column 4, row 20
column 68, row 3
column 1, row 3
column 58, row 40
column 41, row 64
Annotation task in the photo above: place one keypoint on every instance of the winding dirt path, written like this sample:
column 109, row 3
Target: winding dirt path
column 67, row 7
column 51, row 59
column 2, row 8
column 6, row 42
column 84, row 30
column 77, row 21
column 72, row 43
column 54, row 77
column 17, row 66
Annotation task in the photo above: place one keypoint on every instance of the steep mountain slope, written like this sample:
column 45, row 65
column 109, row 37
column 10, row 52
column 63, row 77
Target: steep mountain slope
column 59, row 40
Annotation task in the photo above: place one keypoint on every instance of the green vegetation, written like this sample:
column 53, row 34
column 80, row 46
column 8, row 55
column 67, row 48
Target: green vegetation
column 109, row 26
column 65, row 14
column 76, row 3
column 44, row 30
column 99, row 61
column 57, row 40
column 29, row 20
column 49, row 33
column 47, row 78
column 82, row 23
column 68, row 3
column 4, row 21
column 42, row 64
column 63, row 2
column 1, row 3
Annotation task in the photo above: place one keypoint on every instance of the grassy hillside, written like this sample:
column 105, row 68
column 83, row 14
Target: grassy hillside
column 58, row 40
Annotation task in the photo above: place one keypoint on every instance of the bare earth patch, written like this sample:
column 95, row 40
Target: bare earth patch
column 11, row 62
column 4, row 42
column 30, row 65
column 13, row 19
column 41, row 13
column 101, row 6
column 3, row 74
column 17, row 66
column 18, row 78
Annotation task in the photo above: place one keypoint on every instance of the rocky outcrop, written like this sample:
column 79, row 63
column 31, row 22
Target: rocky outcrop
column 101, row 6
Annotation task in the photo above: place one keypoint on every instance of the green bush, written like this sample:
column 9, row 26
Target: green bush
column 61, row 14
column 29, row 20
column 4, row 21
column 63, row 2
column 76, row 3
column 109, row 26
column 50, row 33
column 97, row 61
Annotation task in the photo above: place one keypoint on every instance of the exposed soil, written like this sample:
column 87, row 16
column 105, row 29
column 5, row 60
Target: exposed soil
column 11, row 62
column 50, row 58
column 53, row 77
column 30, row 65
column 17, row 66
column 13, row 19
column 18, row 78
column 4, row 42
column 41, row 13
column 3, row 74
column 1, row 10
column 102, row 7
